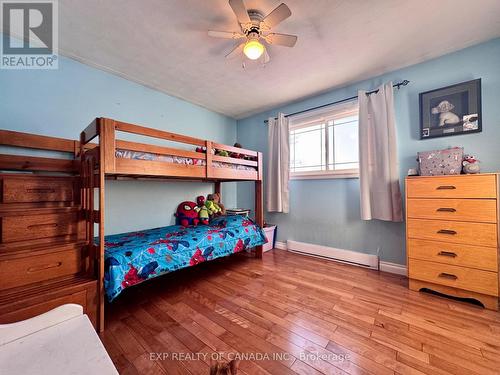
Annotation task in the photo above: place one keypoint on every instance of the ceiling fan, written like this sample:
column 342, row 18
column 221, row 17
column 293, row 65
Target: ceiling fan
column 256, row 29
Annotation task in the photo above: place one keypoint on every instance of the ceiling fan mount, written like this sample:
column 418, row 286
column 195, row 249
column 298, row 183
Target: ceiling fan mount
column 256, row 31
column 256, row 18
column 255, row 15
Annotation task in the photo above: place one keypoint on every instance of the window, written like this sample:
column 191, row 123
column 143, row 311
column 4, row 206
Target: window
column 324, row 144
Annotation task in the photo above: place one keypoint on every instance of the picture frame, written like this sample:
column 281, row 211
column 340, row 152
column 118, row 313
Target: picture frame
column 451, row 110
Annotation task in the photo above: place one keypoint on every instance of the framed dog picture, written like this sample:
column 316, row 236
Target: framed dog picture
column 451, row 110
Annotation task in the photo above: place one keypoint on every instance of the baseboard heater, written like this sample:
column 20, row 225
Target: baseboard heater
column 338, row 255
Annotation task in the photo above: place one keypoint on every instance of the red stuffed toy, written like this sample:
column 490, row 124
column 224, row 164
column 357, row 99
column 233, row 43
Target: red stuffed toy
column 235, row 154
column 203, row 214
column 187, row 214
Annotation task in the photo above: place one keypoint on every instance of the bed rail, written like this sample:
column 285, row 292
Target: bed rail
column 201, row 166
column 66, row 163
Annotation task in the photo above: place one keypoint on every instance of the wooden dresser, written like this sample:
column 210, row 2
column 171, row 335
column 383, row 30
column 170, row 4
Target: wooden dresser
column 43, row 254
column 452, row 225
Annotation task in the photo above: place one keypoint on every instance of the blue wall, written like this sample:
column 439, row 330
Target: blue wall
column 326, row 212
column 63, row 102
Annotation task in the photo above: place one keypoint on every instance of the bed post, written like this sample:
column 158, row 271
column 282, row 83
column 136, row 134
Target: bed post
column 90, row 162
column 108, row 142
column 259, row 203
column 86, row 199
column 103, row 137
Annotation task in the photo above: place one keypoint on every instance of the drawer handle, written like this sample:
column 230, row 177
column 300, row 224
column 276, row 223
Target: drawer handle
column 40, row 190
column 447, row 254
column 49, row 225
column 446, row 187
column 446, row 231
column 446, row 209
column 448, row 276
column 44, row 267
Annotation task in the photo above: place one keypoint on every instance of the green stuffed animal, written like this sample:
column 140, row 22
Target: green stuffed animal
column 222, row 153
column 216, row 199
column 212, row 206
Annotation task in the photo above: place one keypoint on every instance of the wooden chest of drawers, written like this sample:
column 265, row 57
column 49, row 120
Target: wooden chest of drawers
column 452, row 235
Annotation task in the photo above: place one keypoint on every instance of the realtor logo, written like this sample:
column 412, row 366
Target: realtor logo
column 29, row 34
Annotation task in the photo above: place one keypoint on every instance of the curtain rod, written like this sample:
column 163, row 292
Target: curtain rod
column 398, row 85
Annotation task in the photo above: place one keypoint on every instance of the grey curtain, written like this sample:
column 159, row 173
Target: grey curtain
column 278, row 165
column 378, row 159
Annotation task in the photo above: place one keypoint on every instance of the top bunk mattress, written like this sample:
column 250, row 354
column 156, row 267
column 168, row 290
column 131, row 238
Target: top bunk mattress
column 131, row 258
column 139, row 155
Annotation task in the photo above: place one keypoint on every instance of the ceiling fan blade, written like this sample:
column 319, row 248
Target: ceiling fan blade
column 281, row 39
column 240, row 11
column 279, row 14
column 225, row 34
column 265, row 58
column 235, row 51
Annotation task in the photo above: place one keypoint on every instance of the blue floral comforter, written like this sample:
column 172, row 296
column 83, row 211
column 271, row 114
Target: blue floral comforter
column 131, row 258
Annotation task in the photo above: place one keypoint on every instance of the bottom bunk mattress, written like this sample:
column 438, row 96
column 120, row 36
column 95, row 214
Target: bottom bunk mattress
column 131, row 258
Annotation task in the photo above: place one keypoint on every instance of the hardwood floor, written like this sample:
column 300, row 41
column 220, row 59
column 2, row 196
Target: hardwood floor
column 310, row 316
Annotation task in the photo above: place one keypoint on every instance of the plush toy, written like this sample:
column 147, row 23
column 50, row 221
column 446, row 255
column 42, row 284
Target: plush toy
column 203, row 213
column 213, row 209
column 187, row 214
column 214, row 206
column 235, row 154
column 201, row 149
column 222, row 153
column 217, row 201
column 471, row 165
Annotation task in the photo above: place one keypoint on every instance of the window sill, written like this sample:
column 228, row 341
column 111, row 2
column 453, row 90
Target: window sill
column 348, row 173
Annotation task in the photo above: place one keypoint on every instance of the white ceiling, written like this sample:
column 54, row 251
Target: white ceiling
column 164, row 44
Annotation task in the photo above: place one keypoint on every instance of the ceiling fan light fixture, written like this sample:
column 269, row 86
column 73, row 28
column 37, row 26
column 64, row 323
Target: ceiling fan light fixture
column 253, row 49
column 255, row 30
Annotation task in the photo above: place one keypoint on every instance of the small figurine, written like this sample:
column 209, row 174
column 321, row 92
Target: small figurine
column 470, row 165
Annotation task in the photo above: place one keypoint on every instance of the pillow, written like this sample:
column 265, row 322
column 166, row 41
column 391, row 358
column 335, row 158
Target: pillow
column 230, row 221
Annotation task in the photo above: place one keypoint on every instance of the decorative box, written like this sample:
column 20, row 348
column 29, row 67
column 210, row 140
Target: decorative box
column 440, row 162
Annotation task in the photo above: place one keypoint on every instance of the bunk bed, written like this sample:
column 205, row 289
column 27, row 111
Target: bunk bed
column 77, row 257
column 105, row 155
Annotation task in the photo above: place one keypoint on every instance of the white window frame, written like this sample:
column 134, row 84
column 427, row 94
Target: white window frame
column 323, row 116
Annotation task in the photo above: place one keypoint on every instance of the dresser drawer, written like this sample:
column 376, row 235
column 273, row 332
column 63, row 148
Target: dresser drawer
column 37, row 189
column 19, row 228
column 479, row 281
column 465, row 186
column 480, row 234
column 485, row 258
column 16, row 272
column 477, row 210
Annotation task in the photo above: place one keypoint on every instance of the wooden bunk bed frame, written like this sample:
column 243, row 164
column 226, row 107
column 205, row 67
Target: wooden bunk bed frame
column 99, row 162
column 92, row 160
